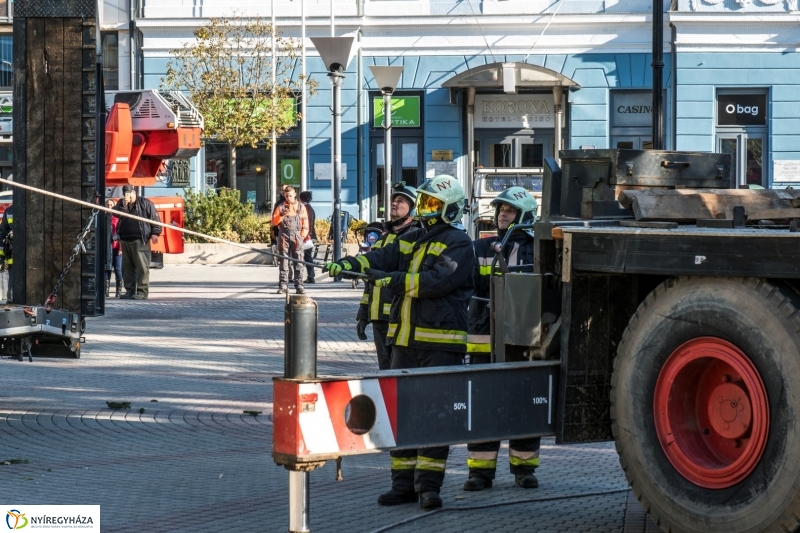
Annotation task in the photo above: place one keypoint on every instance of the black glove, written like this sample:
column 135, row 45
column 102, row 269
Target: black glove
column 375, row 275
column 361, row 329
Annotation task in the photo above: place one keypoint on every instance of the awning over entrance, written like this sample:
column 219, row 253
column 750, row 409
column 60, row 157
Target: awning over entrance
column 509, row 77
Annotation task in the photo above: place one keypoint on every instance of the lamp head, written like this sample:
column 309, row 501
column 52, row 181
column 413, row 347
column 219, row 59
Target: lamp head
column 387, row 78
column 335, row 52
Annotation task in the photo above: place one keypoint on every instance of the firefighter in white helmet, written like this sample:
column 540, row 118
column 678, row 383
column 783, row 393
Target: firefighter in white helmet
column 376, row 302
column 512, row 206
column 430, row 273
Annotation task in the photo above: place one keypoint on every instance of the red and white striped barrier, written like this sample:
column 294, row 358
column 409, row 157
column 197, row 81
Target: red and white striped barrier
column 311, row 419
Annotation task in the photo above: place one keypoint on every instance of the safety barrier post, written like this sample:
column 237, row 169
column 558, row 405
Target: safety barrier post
column 300, row 362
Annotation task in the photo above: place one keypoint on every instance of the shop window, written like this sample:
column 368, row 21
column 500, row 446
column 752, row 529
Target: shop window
column 110, row 42
column 6, row 58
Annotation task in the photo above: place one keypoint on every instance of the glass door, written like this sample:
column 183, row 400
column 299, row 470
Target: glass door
column 747, row 155
column 632, row 142
column 406, row 166
column 532, row 151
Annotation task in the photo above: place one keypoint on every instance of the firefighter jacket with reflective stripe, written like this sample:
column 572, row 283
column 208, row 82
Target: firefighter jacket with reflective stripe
column 432, row 281
column 6, row 226
column 518, row 254
column 376, row 302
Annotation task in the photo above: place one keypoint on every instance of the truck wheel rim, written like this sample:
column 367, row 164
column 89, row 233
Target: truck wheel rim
column 711, row 412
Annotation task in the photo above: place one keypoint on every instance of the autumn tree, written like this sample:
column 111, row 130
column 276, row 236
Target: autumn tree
column 229, row 74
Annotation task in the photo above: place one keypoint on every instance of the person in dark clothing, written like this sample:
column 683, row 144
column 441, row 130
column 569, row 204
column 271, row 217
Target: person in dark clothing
column 429, row 272
column 308, row 254
column 377, row 301
column 512, row 206
column 135, row 237
column 116, row 253
column 6, row 243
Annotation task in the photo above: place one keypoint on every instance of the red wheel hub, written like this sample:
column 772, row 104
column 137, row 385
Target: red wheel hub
column 711, row 412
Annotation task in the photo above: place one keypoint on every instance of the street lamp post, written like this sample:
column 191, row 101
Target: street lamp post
column 387, row 78
column 335, row 53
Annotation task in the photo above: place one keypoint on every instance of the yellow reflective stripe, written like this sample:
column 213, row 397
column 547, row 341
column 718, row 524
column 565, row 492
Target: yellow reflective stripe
column 412, row 285
column 479, row 347
column 376, row 303
column 405, row 246
column 365, row 299
column 404, row 463
column 392, row 330
column 387, row 308
column 437, row 248
column 482, row 463
column 485, row 270
column 405, row 309
column 363, row 261
column 390, row 238
column 10, row 261
column 516, row 461
column 445, row 336
column 429, row 463
column 10, row 219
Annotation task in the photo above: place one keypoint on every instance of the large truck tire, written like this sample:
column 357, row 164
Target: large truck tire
column 705, row 404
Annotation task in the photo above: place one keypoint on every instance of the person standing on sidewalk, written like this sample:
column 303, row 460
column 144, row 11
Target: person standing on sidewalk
column 291, row 219
column 7, row 244
column 116, row 253
column 512, row 206
column 430, row 273
column 135, row 237
column 308, row 254
column 377, row 301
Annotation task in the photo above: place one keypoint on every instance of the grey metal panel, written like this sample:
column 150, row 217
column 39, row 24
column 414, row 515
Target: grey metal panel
column 55, row 8
column 523, row 301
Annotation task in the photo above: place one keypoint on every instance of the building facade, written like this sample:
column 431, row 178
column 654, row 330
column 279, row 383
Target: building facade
column 492, row 84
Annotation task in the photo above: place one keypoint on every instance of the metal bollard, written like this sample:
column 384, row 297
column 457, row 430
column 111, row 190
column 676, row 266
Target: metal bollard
column 300, row 334
column 300, row 362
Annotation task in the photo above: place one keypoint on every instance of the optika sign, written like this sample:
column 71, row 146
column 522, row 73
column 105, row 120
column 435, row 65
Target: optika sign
column 741, row 109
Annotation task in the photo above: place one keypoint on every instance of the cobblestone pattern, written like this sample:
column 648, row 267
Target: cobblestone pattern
column 186, row 458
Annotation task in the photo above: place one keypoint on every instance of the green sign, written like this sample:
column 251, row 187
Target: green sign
column 405, row 112
column 290, row 172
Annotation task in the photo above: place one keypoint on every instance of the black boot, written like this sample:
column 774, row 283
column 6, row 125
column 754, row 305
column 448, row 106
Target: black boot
column 119, row 289
column 397, row 497
column 476, row 483
column 430, row 500
column 108, row 287
column 526, row 481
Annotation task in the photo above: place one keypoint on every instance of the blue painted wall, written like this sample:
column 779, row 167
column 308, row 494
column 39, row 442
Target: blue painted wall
column 700, row 75
column 443, row 125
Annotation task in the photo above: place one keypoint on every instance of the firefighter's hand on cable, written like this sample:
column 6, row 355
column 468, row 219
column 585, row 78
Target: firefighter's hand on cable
column 361, row 329
column 378, row 277
column 335, row 268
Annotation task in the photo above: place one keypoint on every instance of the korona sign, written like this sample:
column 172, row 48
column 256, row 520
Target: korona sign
column 522, row 111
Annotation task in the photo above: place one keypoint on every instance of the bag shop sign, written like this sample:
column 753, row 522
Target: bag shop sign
column 741, row 110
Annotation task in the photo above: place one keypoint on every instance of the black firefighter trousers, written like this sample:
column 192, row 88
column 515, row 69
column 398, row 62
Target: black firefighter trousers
column 523, row 454
column 420, row 470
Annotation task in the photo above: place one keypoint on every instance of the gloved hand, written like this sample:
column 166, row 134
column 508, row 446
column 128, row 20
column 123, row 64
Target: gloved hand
column 335, row 268
column 361, row 329
column 379, row 278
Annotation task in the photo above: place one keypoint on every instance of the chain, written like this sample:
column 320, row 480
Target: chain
column 79, row 246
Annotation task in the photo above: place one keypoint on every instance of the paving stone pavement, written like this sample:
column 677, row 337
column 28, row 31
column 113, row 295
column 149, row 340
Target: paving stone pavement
column 186, row 458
